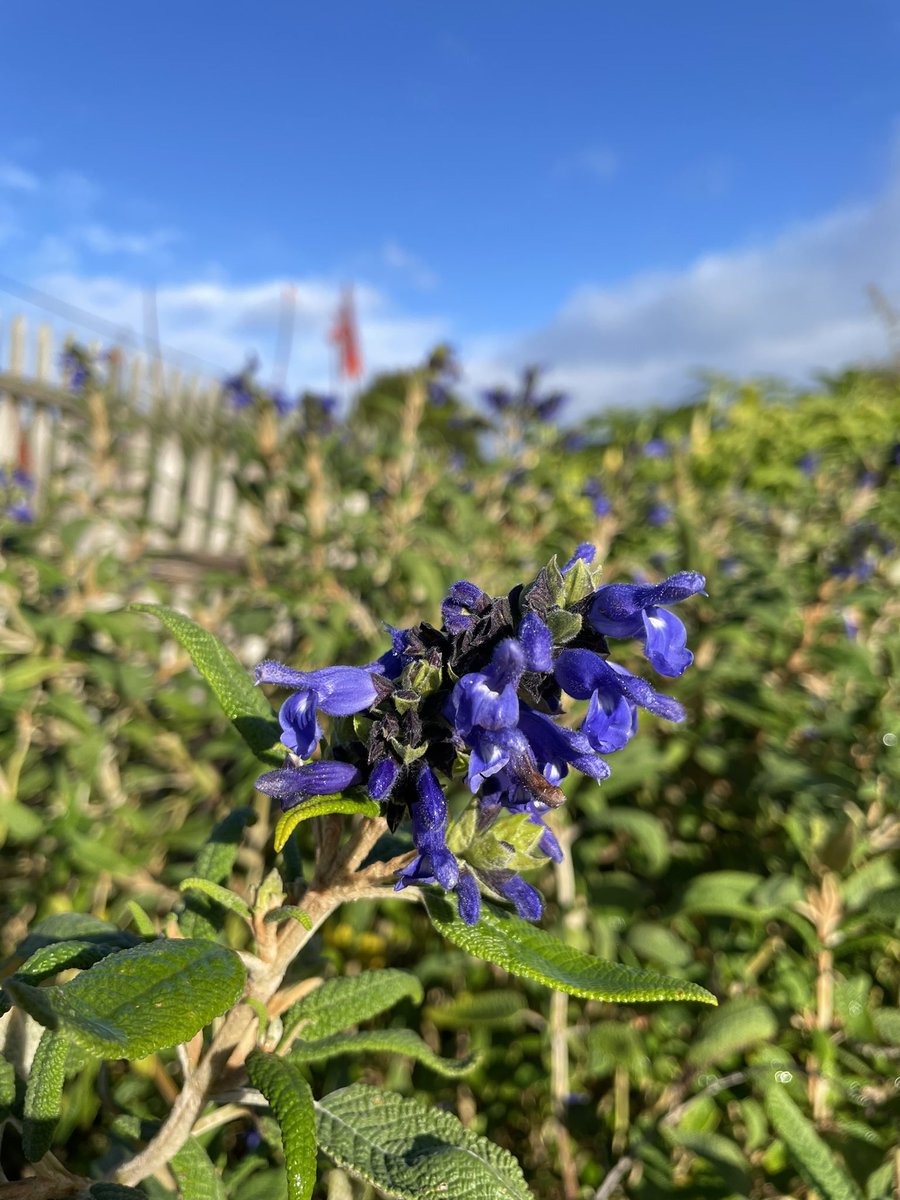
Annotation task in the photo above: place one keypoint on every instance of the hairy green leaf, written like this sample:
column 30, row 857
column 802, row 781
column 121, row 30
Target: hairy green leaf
column 733, row 1028
column 382, row 1041
column 410, row 1152
column 218, row 894
column 197, row 1178
column 43, row 1095
column 339, row 1003
column 808, row 1151
column 244, row 705
column 533, row 953
column 289, row 1095
column 65, row 956
column 494, row 1008
column 320, row 806
column 289, row 912
column 140, row 1000
column 142, row 922
column 214, row 862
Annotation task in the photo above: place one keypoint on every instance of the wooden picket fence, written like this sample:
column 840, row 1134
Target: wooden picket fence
column 160, row 442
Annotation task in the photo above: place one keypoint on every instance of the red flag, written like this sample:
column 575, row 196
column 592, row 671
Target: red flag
column 345, row 336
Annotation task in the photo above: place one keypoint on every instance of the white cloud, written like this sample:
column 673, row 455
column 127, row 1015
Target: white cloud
column 414, row 269
column 792, row 306
column 17, row 179
column 222, row 323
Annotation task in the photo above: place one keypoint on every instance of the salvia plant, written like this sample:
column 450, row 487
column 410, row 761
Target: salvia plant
column 459, row 731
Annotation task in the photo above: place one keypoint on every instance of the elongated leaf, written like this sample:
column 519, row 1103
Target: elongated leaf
column 495, row 1008
column 289, row 912
column 7, row 1085
column 320, row 806
column 142, row 922
column 533, row 953
column 382, row 1041
column 809, row 1153
column 735, row 1027
column 64, row 956
column 214, row 862
column 138, row 1001
column 218, row 894
column 244, row 705
column 410, row 1152
column 288, row 1093
column 73, row 926
column 43, row 1095
column 338, row 1003
column 197, row 1178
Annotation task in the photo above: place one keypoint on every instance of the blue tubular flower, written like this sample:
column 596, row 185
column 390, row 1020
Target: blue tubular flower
column 291, row 785
column 633, row 610
column 469, row 898
column 537, row 642
column 526, row 899
column 611, row 720
column 382, row 779
column 580, row 673
column 339, row 691
column 434, row 863
column 488, row 699
column 556, row 747
column 300, row 731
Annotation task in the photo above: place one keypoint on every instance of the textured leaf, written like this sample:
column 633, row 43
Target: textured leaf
column 289, row 912
column 142, row 922
column 43, row 1095
column 735, row 1027
column 214, row 862
column 382, row 1041
column 808, row 1151
column 73, row 926
column 291, row 1100
column 140, row 1000
column 320, row 806
column 533, row 953
column 218, row 894
column 241, row 701
column 197, row 1178
column 7, row 1085
column 338, row 1003
column 495, row 1008
column 410, row 1152
column 64, row 956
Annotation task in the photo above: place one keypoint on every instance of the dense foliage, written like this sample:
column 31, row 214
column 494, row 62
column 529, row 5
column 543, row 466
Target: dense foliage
column 750, row 850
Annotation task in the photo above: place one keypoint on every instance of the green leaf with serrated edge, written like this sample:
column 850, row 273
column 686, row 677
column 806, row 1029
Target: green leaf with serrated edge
column 43, row 1095
column 381, row 1041
column 241, row 701
column 501, row 938
column 142, row 922
column 138, row 1001
column 733, row 1028
column 289, row 912
column 197, row 1178
column 412, row 1152
column 494, row 1008
column 214, row 861
column 72, row 926
column 66, row 956
column 809, row 1153
column 291, row 1101
column 218, row 894
column 339, row 1003
column 321, row 806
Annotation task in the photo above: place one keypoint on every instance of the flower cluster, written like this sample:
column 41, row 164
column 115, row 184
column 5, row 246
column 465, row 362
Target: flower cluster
column 526, row 404
column 480, row 699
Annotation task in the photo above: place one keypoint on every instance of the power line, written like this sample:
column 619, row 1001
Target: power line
column 118, row 333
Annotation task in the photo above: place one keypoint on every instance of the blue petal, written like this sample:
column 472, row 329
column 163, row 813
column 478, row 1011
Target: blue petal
column 290, row 785
column 462, row 601
column 343, row 690
column 469, row 898
column 526, row 899
column 475, row 703
column 581, row 672
column 550, row 846
column 430, row 810
column 486, row 758
column 300, row 730
column 555, row 745
column 617, row 605
column 537, row 642
column 665, row 642
column 507, row 664
column 610, row 722
column 276, row 672
column 382, row 778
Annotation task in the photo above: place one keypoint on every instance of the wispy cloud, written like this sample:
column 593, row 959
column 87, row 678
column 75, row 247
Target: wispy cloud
column 102, row 240
column 17, row 178
column 417, row 272
column 791, row 306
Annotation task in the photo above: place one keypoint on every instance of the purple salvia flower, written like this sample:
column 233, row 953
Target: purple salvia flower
column 635, row 610
column 382, row 779
column 291, row 785
column 537, row 642
column 580, row 673
column 585, row 552
column 469, row 898
column 463, row 603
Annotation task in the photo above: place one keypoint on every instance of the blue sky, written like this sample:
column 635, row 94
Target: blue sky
column 621, row 192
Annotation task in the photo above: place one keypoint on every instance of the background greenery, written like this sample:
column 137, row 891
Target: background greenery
column 751, row 849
